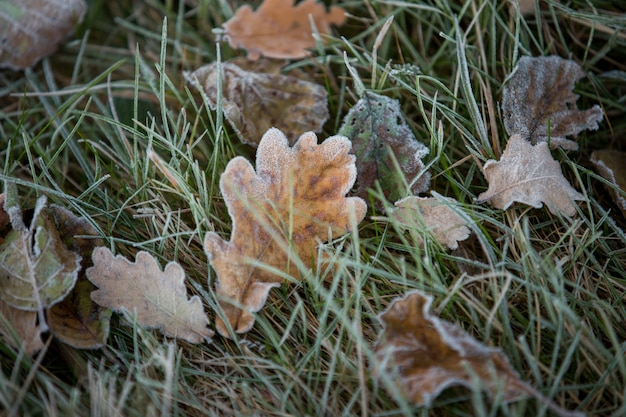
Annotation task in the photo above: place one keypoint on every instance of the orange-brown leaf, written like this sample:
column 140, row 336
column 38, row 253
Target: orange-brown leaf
column 294, row 200
column 278, row 29
column 431, row 354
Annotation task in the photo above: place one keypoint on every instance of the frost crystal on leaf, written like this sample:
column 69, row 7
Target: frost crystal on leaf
column 538, row 102
column 293, row 201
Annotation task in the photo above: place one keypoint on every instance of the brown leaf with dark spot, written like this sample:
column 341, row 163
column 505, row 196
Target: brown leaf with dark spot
column 381, row 137
column 528, row 174
column 538, row 102
column 278, row 29
column 429, row 355
column 32, row 29
column 610, row 164
column 293, row 201
column 253, row 102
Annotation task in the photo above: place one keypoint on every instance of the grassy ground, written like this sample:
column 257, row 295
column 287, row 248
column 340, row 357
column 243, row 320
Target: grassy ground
column 548, row 290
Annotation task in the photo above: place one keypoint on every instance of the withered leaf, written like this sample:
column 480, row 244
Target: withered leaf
column 380, row 136
column 429, row 355
column 77, row 320
column 253, row 102
column 610, row 164
column 36, row 269
column 538, row 102
column 32, row 29
column 20, row 328
column 294, row 200
column 528, row 174
column 158, row 299
column 278, row 29
column 434, row 214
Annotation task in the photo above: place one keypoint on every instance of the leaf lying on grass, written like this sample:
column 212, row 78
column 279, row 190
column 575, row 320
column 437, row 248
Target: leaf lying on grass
column 77, row 320
column 157, row 298
column 294, row 200
column 538, row 102
column 32, row 29
column 380, row 138
column 20, row 328
column 430, row 355
column 253, row 102
column 528, row 174
column 432, row 213
column 610, row 164
column 36, row 269
column 278, row 29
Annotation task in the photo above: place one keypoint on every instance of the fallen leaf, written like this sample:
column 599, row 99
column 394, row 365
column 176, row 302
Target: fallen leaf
column 278, row 29
column 158, row 299
column 538, row 102
column 380, row 135
column 36, row 269
column 77, row 320
column 528, row 174
column 294, row 200
column 20, row 328
column 610, row 164
column 431, row 355
column 4, row 216
column 32, row 29
column 253, row 102
column 433, row 214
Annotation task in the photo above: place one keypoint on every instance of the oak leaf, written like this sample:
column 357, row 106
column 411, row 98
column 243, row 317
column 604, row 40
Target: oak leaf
column 158, row 299
column 294, row 200
column 32, row 29
column 528, row 174
column 610, row 164
column 278, row 29
column 538, row 102
column 434, row 214
column 253, row 102
column 380, row 137
column 430, row 355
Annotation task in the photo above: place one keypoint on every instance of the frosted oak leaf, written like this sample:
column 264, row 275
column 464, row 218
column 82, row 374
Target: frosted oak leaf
column 539, row 104
column 528, row 174
column 158, row 299
column 253, row 101
column 293, row 201
column 278, row 29
column 434, row 214
column 429, row 355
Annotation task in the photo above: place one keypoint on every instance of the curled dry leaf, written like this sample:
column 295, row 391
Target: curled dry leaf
column 434, row 214
column 36, row 269
column 380, row 138
column 253, row 102
column 538, row 102
column 32, row 29
column 77, row 320
column 294, row 200
column 610, row 164
column 278, row 29
column 430, row 355
column 158, row 299
column 528, row 174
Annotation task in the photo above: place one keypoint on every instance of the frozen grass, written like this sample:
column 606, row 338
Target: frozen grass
column 108, row 128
